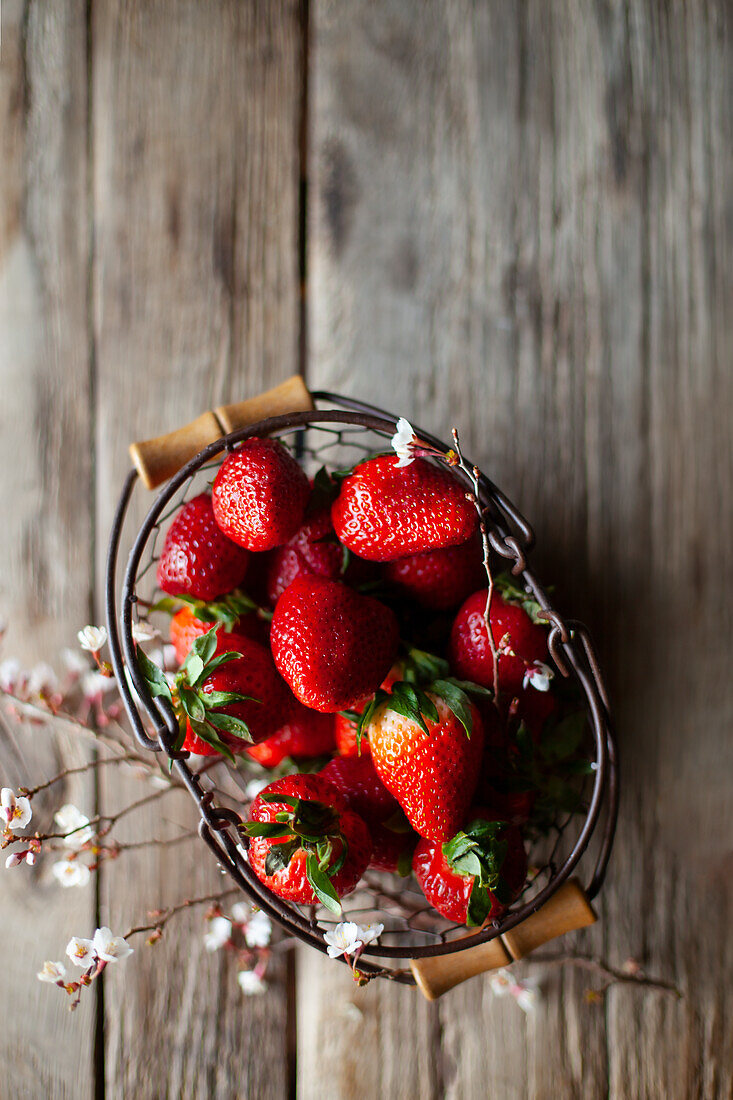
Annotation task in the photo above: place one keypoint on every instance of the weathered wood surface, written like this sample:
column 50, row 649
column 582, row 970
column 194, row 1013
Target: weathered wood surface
column 195, row 114
column 45, row 500
column 519, row 223
column 521, row 226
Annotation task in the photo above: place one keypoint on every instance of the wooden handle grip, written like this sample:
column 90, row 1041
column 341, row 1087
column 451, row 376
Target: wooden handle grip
column 290, row 396
column 567, row 910
column 158, row 459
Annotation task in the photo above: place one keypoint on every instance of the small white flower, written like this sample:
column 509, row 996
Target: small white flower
column 343, row 940
column 501, row 982
column 370, row 933
column 74, row 661
column 71, row 872
column 144, row 632
column 94, row 683
column 30, row 858
column 159, row 782
column 14, row 859
column 81, row 952
column 72, row 821
column 403, row 442
column 109, row 947
column 10, row 674
column 52, row 972
column 92, row 638
column 538, row 675
column 254, row 787
column 220, row 932
column 42, row 678
column 258, row 930
column 527, row 999
column 250, row 982
column 241, row 912
column 15, row 811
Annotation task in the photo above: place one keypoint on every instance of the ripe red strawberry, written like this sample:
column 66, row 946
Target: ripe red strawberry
column 197, row 559
column 438, row 579
column 425, row 756
column 332, row 645
column 447, row 872
column 300, row 829
column 384, row 511
column 345, row 727
column 259, row 495
column 520, row 643
column 185, row 627
column 312, row 551
column 358, row 780
column 306, row 734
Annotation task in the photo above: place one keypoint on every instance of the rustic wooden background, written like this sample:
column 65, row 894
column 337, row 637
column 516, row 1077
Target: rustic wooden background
column 513, row 217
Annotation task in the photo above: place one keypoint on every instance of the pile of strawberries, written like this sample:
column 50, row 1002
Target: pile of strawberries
column 339, row 625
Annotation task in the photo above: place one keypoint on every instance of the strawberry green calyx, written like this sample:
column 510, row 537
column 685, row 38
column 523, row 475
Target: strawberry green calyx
column 227, row 611
column 506, row 585
column 414, row 702
column 193, row 705
column 480, row 851
column 313, row 827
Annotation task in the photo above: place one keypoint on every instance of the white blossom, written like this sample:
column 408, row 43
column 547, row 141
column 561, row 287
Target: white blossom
column 30, row 858
column 52, row 972
column 258, row 930
column 538, row 675
column 527, row 999
column 525, row 993
column 42, row 678
column 10, row 674
column 14, row 859
column 74, row 661
column 144, row 632
column 15, row 811
column 370, row 933
column 403, row 442
column 343, row 939
column 92, row 638
column 250, row 982
column 94, row 683
column 220, row 932
column 72, row 821
column 110, row 948
column 241, row 912
column 80, row 951
column 71, row 872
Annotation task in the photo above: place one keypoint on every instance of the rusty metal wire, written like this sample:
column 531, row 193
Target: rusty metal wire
column 412, row 928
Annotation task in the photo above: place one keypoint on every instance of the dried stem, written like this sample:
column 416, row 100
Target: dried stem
column 91, row 765
column 165, row 915
column 612, row 975
column 474, row 475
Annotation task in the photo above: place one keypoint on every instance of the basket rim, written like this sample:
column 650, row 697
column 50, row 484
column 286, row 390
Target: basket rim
column 215, row 823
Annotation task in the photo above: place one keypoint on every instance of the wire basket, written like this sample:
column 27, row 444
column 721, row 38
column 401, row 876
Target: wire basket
column 339, row 431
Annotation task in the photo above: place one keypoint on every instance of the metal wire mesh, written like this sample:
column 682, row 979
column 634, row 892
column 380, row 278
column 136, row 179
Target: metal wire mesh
column 339, row 439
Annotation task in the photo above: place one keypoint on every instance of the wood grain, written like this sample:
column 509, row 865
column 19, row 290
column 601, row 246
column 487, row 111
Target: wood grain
column 45, row 493
column 196, row 162
column 520, row 224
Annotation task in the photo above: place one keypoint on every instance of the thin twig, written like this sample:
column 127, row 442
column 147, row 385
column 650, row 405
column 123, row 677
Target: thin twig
column 91, row 765
column 602, row 968
column 166, row 914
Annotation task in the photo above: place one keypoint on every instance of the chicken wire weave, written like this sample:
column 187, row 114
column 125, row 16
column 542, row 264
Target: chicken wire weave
column 412, row 929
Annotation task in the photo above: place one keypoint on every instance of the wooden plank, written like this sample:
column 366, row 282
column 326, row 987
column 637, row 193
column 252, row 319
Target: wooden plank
column 45, row 498
column 519, row 226
column 196, row 297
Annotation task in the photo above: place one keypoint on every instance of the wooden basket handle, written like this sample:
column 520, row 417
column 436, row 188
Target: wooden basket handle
column 567, row 910
column 158, row 459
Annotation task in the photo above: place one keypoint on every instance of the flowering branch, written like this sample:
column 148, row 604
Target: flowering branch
column 162, row 916
column 630, row 974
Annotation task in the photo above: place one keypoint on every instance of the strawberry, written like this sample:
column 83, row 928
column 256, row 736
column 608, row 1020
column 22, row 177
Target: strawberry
column 384, row 511
column 305, row 735
column 305, row 843
column 259, row 495
column 346, row 724
column 197, row 559
column 474, row 876
column 196, row 618
column 332, row 645
column 427, row 749
column 519, row 641
column 438, row 579
column 312, row 551
column 227, row 694
column 358, row 780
